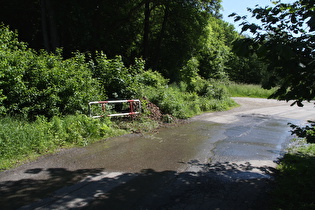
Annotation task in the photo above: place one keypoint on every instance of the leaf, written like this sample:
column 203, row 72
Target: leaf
column 237, row 18
column 253, row 28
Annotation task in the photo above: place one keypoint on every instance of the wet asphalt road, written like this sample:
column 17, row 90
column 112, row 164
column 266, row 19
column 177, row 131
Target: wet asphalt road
column 222, row 160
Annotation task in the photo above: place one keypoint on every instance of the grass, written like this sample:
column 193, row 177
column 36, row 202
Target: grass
column 295, row 183
column 21, row 140
column 248, row 90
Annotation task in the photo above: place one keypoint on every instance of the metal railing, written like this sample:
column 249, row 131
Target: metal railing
column 133, row 109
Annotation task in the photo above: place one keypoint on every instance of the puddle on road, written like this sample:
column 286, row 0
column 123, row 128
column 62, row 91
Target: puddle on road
column 166, row 150
column 173, row 148
column 261, row 138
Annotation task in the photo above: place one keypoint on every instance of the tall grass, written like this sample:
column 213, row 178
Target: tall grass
column 21, row 139
column 248, row 90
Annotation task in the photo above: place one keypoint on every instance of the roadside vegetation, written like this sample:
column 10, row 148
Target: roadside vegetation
column 44, row 98
column 248, row 90
column 294, row 186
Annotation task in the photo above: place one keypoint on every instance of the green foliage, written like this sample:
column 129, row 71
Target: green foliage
column 192, row 82
column 121, row 82
column 116, row 79
column 247, row 69
column 307, row 132
column 34, row 84
column 295, row 181
column 189, row 74
column 20, row 139
column 9, row 40
column 174, row 36
column 286, row 41
column 164, row 33
column 171, row 101
column 176, row 101
column 215, row 50
column 152, row 78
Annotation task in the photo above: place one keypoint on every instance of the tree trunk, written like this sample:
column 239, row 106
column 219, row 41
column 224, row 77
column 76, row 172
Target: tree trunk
column 146, row 30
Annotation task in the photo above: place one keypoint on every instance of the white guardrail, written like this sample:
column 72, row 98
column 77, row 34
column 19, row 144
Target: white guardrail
column 131, row 107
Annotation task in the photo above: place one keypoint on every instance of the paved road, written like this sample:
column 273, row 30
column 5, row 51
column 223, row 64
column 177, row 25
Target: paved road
column 221, row 160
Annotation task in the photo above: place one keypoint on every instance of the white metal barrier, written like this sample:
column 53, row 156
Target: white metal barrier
column 131, row 107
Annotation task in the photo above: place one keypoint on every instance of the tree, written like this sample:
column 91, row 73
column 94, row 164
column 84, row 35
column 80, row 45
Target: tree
column 164, row 33
column 286, row 39
column 216, row 48
column 175, row 31
column 249, row 70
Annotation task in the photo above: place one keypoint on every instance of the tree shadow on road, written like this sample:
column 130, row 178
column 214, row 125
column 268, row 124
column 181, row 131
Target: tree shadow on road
column 213, row 186
column 14, row 194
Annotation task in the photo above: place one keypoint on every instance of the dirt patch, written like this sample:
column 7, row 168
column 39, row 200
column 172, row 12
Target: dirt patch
column 154, row 110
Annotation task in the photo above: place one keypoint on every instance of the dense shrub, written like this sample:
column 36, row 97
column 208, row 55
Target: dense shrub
column 181, row 104
column 38, row 83
column 44, row 84
column 152, row 79
column 117, row 80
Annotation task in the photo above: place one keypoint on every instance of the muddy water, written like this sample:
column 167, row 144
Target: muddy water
column 254, row 137
column 168, row 149
column 251, row 137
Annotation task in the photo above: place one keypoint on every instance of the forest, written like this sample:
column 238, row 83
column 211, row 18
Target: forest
column 165, row 34
column 184, row 42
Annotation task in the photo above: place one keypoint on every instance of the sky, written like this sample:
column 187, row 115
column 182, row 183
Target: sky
column 240, row 7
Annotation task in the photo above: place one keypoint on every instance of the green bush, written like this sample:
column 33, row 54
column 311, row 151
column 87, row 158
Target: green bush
column 192, row 82
column 152, row 79
column 33, row 84
column 170, row 101
column 117, row 81
column 174, row 101
column 78, row 129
